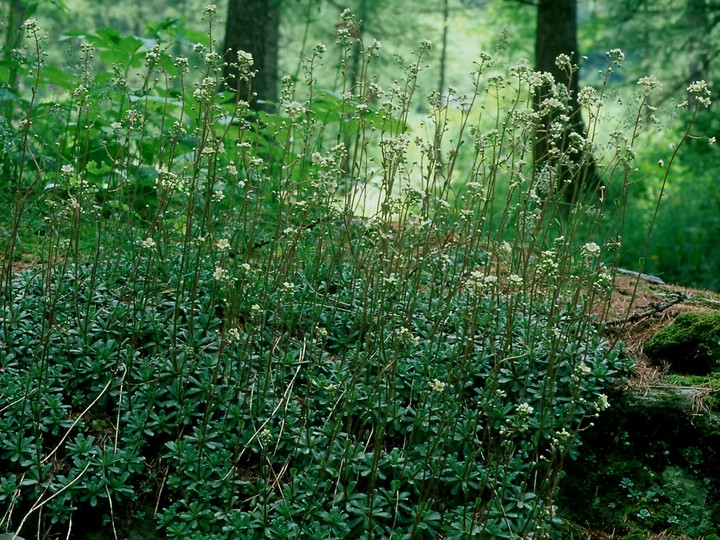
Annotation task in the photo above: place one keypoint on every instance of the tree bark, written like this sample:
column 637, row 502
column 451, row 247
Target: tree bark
column 13, row 40
column 699, row 31
column 557, row 34
column 253, row 26
column 15, row 19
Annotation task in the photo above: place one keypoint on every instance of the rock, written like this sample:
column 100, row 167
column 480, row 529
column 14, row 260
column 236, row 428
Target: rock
column 645, row 277
column 651, row 462
column 690, row 345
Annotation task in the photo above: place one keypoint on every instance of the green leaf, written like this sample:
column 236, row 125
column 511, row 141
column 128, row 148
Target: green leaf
column 52, row 75
column 92, row 168
column 193, row 36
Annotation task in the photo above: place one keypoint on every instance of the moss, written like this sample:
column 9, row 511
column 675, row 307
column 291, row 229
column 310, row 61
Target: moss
column 709, row 381
column 690, row 345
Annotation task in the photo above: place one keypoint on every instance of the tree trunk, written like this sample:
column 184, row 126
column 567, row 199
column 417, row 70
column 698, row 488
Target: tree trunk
column 13, row 40
column 557, row 34
column 696, row 12
column 15, row 19
column 253, row 26
column 442, row 94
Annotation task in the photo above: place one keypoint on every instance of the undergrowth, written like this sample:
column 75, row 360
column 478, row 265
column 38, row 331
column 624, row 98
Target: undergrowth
column 301, row 324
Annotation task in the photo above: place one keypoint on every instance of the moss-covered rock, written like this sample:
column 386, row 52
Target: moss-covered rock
column 650, row 463
column 690, row 345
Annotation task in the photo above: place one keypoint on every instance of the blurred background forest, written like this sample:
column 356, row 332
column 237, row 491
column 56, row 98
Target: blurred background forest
column 675, row 41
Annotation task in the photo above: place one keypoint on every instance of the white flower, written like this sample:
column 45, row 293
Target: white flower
column 223, row 244
column 590, row 249
column 81, row 92
column 702, row 93
column 562, row 436
column 294, row 109
column 515, row 280
column 245, row 58
column 437, row 385
column 148, row 243
column 182, row 63
column 321, row 332
column 482, row 282
column 602, row 402
column 615, row 56
column 587, row 96
column 152, row 56
column 67, row 169
column 31, row 25
column 233, row 335
column 392, row 278
column 648, row 83
column 132, row 116
column 524, row 409
column 266, row 435
column 406, row 337
column 219, row 274
column 563, row 62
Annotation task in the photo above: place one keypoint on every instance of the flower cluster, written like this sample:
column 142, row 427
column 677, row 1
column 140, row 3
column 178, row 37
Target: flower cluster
column 152, row 56
column 223, row 245
column 590, row 250
column 587, row 97
column 615, row 57
column 524, row 409
column 245, row 63
column 220, row 274
column 395, row 148
column 169, row 180
column 406, row 337
column 295, row 109
column 31, row 26
column 232, row 335
column 206, row 90
column 700, row 92
column 563, row 62
column 482, row 283
column 602, row 403
column 148, row 243
column 647, row 84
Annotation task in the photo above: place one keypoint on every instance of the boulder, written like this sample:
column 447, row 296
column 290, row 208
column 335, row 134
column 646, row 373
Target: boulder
column 688, row 346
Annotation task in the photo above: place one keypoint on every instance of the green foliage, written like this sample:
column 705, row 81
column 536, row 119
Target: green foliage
column 311, row 323
column 232, row 421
